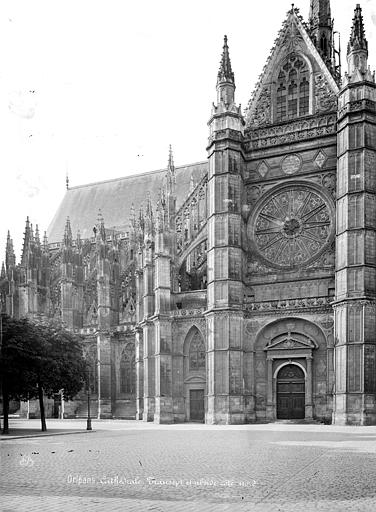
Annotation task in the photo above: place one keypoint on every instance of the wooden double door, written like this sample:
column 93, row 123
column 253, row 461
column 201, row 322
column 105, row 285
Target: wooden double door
column 290, row 393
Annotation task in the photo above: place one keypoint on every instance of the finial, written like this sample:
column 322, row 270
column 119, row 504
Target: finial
column 225, row 73
column 357, row 37
column 67, row 181
column 170, row 158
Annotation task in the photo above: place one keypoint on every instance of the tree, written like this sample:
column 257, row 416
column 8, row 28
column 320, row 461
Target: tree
column 39, row 359
column 15, row 363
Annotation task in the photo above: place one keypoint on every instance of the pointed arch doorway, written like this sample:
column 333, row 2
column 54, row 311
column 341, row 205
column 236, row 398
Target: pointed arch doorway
column 195, row 375
column 290, row 393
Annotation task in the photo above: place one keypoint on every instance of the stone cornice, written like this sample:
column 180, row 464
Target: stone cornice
column 297, row 131
column 289, row 306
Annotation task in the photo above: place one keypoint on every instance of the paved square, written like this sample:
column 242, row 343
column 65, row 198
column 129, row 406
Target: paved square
column 136, row 466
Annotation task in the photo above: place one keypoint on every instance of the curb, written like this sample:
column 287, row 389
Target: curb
column 5, row 437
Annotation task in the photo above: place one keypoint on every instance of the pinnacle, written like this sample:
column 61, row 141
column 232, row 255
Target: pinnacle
column 68, row 232
column 170, row 180
column 37, row 237
column 225, row 73
column 357, row 37
column 45, row 240
column 170, row 159
column 100, row 230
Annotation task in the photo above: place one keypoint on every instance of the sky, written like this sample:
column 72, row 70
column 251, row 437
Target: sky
column 99, row 89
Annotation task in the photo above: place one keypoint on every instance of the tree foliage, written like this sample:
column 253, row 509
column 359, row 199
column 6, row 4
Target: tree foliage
column 40, row 358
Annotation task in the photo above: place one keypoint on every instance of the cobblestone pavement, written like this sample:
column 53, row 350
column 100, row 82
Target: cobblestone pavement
column 133, row 466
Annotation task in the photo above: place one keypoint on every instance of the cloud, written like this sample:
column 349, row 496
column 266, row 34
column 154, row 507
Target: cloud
column 26, row 188
column 23, row 103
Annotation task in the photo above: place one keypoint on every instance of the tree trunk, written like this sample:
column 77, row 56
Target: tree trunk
column 41, row 407
column 5, row 408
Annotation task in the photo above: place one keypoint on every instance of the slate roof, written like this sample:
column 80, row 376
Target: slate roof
column 114, row 198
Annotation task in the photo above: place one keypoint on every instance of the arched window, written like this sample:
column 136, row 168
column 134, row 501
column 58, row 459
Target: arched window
column 127, row 371
column 197, row 352
column 292, row 89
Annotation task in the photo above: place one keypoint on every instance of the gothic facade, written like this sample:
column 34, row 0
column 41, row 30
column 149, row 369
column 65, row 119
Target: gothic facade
column 242, row 289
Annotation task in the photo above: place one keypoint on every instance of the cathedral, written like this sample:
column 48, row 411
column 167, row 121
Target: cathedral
column 240, row 289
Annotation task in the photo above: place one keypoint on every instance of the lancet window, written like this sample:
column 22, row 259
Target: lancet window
column 292, row 89
column 127, row 371
column 197, row 353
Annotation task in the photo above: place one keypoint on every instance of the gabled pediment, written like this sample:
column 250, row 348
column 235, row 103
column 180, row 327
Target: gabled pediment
column 293, row 39
column 291, row 341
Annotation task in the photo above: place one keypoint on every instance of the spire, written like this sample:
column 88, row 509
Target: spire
column 225, row 73
column 67, row 181
column 45, row 242
column 319, row 13
column 148, row 217
column 68, row 233
column 26, row 242
column 10, row 258
column 140, row 226
column 321, row 31
column 170, row 175
column 37, row 237
column 132, row 218
column 357, row 37
column 357, row 50
column 225, row 79
column 160, row 215
column 170, row 165
column 101, row 231
column 78, row 240
column 2, row 275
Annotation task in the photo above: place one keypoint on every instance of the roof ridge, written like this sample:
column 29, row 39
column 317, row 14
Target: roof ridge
column 135, row 175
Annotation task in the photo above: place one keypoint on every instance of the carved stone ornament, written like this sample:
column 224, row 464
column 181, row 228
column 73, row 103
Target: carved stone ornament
column 320, row 159
column 291, row 164
column 292, row 39
column 262, row 169
column 291, row 341
column 325, row 97
column 262, row 112
column 292, row 226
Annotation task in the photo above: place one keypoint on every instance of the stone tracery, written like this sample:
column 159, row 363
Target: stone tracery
column 292, row 226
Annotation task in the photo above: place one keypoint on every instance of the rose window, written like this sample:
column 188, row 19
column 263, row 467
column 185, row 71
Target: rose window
column 293, row 226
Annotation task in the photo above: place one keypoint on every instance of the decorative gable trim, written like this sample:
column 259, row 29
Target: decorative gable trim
column 291, row 341
column 292, row 36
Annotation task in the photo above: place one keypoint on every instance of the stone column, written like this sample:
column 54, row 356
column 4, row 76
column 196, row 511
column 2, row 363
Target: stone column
column 270, row 400
column 139, row 360
column 308, row 390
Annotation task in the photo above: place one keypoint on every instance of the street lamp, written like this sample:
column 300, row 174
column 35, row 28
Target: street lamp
column 88, row 423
